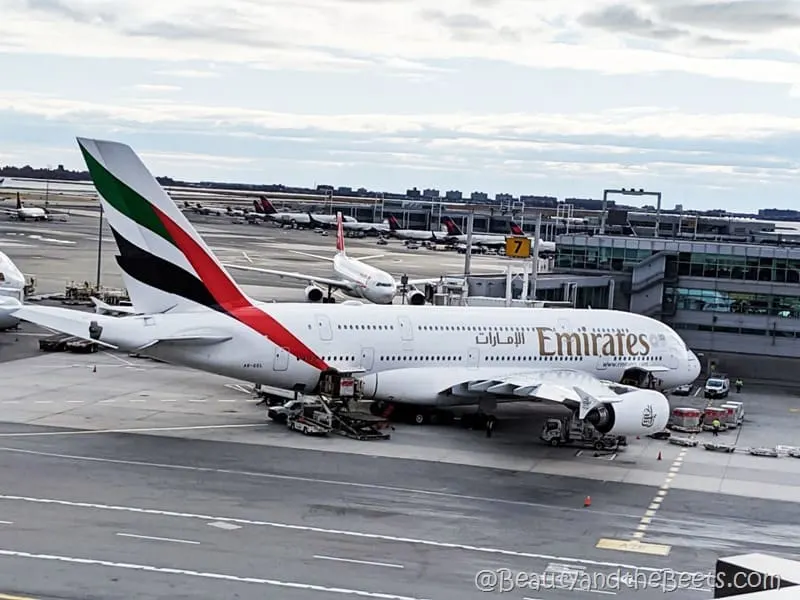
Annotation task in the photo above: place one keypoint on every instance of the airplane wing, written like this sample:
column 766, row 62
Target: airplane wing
column 101, row 306
column 424, row 281
column 317, row 256
column 573, row 389
column 334, row 283
column 370, row 257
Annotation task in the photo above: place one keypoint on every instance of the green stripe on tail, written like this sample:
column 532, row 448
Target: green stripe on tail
column 123, row 198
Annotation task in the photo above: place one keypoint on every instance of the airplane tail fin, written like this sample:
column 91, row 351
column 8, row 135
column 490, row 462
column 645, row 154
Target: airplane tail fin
column 165, row 263
column 452, row 228
column 339, row 233
column 19, row 201
column 393, row 224
column 267, row 207
column 257, row 207
column 516, row 229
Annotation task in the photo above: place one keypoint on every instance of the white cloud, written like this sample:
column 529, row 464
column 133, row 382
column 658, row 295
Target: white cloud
column 321, row 34
column 154, row 87
column 188, row 73
column 668, row 125
column 551, row 95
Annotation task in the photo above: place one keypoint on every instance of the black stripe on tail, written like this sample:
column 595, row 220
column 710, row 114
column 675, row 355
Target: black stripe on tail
column 161, row 274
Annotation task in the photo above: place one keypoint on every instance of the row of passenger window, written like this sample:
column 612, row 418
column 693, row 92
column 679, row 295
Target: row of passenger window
column 381, row 327
column 486, row 358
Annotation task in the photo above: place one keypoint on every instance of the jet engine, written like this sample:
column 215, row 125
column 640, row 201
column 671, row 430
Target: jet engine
column 416, row 298
column 314, row 294
column 640, row 412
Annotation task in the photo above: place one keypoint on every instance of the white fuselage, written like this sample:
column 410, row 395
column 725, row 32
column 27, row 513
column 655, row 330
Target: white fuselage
column 31, row 213
column 418, row 234
column 498, row 241
column 12, row 285
column 287, row 218
column 331, row 219
column 482, row 341
column 361, row 226
column 369, row 283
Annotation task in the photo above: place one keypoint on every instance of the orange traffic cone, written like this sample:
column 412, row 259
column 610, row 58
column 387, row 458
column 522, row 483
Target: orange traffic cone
column 659, row 455
column 587, row 502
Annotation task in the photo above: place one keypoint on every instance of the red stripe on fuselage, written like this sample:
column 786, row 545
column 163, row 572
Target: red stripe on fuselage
column 225, row 292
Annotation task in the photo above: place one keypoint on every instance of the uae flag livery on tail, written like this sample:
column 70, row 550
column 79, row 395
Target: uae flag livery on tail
column 167, row 265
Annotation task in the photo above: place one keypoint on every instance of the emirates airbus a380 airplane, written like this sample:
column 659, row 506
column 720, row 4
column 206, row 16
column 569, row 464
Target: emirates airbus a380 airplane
column 192, row 313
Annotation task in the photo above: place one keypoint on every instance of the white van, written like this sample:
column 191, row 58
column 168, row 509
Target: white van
column 717, row 387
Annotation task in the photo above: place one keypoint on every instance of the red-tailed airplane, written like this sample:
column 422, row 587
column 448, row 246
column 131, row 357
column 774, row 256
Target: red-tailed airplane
column 193, row 313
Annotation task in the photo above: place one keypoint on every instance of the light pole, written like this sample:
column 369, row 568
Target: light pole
column 99, row 245
column 630, row 192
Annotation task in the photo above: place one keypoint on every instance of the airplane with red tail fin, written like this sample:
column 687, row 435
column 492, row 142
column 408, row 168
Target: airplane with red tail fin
column 191, row 312
column 351, row 276
column 488, row 240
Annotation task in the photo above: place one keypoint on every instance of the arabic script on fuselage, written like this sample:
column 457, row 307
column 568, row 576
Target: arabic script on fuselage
column 572, row 343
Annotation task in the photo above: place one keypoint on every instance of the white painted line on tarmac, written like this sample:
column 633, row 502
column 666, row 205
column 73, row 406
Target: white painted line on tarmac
column 324, row 531
column 120, row 359
column 135, row 430
column 205, row 575
column 359, row 562
column 156, row 539
column 300, row 479
column 224, row 525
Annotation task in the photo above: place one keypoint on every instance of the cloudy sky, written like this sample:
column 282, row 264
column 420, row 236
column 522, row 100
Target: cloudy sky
column 694, row 98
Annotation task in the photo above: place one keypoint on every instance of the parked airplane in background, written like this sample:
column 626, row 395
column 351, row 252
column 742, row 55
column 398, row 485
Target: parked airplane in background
column 367, row 228
column 219, row 211
column 294, row 219
column 352, row 276
column 489, row 240
column 24, row 213
column 12, row 286
column 419, row 235
column 194, row 314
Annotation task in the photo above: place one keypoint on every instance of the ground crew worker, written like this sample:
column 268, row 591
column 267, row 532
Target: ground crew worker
column 738, row 385
column 716, row 424
column 489, row 427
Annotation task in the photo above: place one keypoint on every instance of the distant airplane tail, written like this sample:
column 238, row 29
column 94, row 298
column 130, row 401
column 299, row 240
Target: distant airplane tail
column 267, row 206
column 452, row 228
column 166, row 263
column 257, row 207
column 393, row 224
column 516, row 229
column 19, row 201
column 339, row 233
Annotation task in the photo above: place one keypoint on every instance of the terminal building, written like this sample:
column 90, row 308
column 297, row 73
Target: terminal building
column 733, row 302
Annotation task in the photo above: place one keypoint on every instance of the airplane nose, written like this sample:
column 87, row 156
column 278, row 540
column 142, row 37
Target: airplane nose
column 694, row 365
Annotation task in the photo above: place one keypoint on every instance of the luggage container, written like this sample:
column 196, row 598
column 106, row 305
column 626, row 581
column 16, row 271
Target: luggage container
column 685, row 419
column 730, row 416
column 714, row 412
column 739, row 406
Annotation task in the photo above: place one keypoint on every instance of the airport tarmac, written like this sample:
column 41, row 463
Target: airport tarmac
column 59, row 252
column 130, row 478
column 127, row 478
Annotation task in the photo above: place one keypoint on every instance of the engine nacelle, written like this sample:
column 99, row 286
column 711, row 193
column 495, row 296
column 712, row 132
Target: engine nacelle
column 416, row 298
column 314, row 294
column 640, row 412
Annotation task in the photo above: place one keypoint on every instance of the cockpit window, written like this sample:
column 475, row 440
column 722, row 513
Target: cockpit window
column 380, row 284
